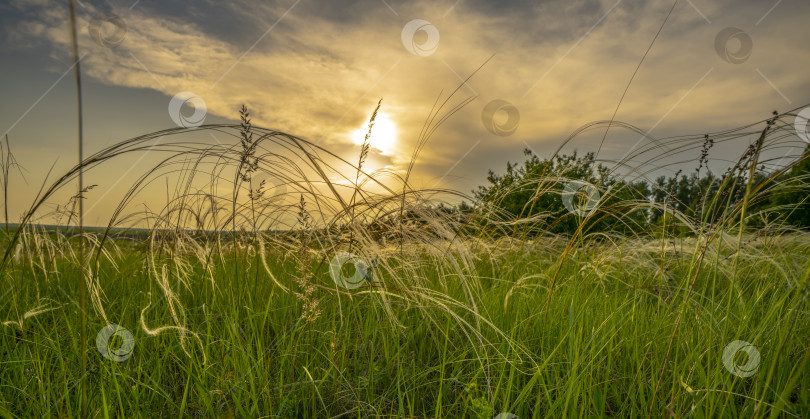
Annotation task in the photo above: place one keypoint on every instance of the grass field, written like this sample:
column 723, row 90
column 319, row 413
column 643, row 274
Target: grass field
column 465, row 329
column 287, row 277
column 281, row 280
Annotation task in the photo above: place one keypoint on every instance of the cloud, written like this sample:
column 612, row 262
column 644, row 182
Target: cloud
column 316, row 69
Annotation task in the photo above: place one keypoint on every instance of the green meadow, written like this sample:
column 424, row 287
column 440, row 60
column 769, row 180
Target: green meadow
column 473, row 329
column 323, row 298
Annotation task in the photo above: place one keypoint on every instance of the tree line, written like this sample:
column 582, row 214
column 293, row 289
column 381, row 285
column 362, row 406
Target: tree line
column 537, row 189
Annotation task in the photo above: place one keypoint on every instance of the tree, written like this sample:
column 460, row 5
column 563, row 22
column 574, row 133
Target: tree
column 791, row 196
column 535, row 190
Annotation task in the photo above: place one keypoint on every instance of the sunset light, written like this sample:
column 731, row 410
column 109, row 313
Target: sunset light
column 513, row 209
column 383, row 134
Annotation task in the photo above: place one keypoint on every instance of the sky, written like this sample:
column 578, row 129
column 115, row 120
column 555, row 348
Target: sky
column 317, row 69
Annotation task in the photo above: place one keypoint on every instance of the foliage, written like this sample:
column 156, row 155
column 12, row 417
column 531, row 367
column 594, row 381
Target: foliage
column 536, row 187
column 236, row 311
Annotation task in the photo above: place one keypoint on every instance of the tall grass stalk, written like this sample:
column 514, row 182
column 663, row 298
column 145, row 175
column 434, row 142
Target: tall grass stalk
column 364, row 149
column 82, row 285
column 453, row 323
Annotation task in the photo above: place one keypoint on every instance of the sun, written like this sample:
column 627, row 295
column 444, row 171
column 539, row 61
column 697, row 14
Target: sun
column 383, row 134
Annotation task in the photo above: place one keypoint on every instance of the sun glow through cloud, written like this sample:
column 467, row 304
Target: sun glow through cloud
column 383, row 134
column 324, row 85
